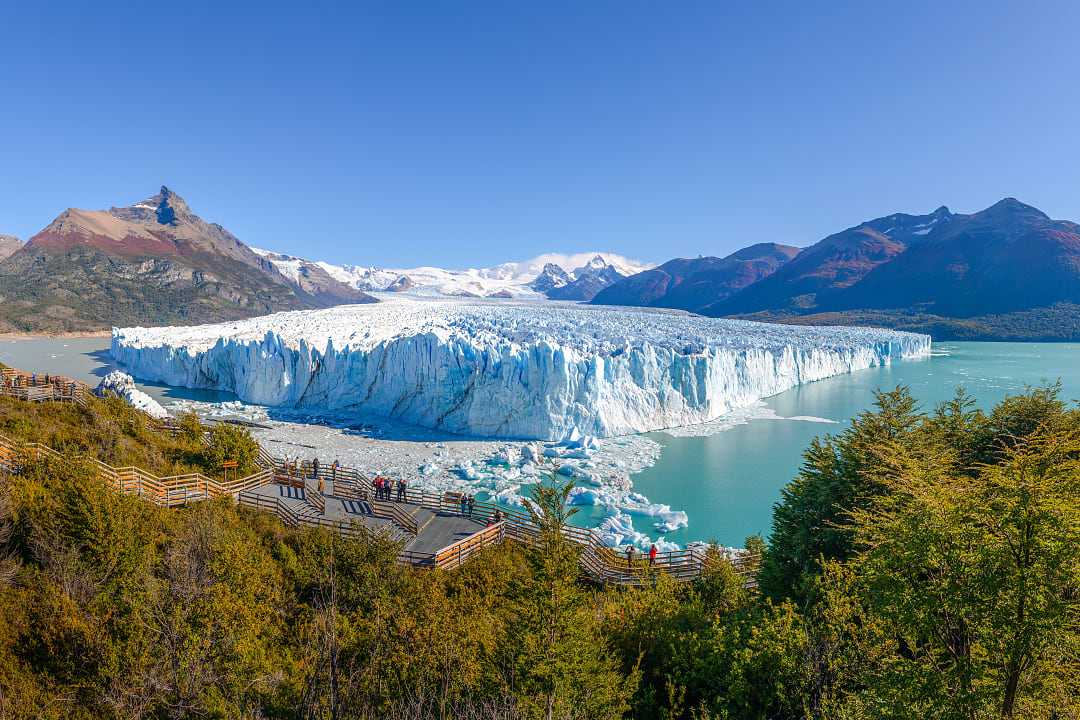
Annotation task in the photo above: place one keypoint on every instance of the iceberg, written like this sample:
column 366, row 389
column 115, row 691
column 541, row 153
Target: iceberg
column 514, row 370
column 123, row 386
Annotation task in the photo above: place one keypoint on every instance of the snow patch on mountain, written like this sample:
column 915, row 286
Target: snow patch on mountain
column 506, row 369
column 522, row 280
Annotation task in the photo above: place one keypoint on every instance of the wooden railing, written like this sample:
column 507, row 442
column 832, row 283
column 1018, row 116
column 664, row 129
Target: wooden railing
column 32, row 387
column 598, row 561
column 455, row 554
column 169, row 491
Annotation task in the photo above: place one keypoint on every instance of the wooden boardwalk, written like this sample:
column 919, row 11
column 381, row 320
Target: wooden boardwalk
column 434, row 529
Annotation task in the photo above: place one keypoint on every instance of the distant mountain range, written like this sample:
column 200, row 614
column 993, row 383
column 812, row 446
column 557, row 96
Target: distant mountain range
column 154, row 262
column 558, row 277
column 1006, row 272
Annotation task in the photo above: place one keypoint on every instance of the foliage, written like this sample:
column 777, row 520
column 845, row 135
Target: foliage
column 117, row 434
column 922, row 565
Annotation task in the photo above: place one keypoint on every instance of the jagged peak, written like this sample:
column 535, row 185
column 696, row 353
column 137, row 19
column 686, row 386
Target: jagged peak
column 166, row 206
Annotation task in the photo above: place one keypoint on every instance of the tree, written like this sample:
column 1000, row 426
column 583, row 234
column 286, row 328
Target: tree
column 976, row 577
column 231, row 442
column 560, row 667
column 839, row 475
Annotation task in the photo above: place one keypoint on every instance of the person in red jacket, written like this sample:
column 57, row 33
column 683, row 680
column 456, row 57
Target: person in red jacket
column 652, row 554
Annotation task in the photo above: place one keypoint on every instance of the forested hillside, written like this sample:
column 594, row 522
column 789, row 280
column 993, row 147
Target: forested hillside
column 921, row 565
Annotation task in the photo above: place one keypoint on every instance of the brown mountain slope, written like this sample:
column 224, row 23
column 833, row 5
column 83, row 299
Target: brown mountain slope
column 155, row 262
column 1006, row 258
column 829, row 266
column 693, row 284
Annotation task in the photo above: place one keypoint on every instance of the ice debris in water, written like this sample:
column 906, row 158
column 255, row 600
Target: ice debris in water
column 508, row 369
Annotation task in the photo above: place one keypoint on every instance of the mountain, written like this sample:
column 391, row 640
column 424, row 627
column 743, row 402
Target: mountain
column 550, row 278
column 831, row 265
column 1006, row 258
column 543, row 276
column 589, row 279
column 154, row 262
column 692, row 284
column 1008, row 272
column 312, row 279
column 8, row 245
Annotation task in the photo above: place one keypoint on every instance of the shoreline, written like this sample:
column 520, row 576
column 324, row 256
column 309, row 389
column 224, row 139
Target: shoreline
column 55, row 336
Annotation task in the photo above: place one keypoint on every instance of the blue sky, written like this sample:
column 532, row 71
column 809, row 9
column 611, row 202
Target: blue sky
column 469, row 133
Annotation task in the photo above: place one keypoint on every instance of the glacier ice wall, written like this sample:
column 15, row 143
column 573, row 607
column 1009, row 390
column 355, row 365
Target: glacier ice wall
column 504, row 369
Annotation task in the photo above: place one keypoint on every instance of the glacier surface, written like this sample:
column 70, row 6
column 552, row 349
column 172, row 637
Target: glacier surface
column 547, row 371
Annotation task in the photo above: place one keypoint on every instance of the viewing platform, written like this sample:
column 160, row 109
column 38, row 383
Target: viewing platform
column 434, row 529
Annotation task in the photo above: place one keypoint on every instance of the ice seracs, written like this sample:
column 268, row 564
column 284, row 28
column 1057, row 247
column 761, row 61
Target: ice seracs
column 506, row 369
column 123, row 386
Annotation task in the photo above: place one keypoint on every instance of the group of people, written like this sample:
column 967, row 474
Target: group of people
column 631, row 550
column 468, row 503
column 384, row 488
column 33, row 380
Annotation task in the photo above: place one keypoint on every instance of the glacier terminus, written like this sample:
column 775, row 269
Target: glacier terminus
column 506, row 369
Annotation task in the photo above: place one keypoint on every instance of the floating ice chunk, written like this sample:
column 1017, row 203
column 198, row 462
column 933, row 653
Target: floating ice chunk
column 618, row 530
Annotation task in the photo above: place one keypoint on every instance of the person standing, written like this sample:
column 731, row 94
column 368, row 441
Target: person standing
column 315, row 467
column 401, row 496
column 472, row 502
column 630, row 557
column 652, row 555
column 464, row 504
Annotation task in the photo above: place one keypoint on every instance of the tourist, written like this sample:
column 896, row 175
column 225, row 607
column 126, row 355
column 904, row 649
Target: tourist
column 378, row 487
column 464, row 504
column 630, row 557
column 652, row 554
column 315, row 467
column 401, row 496
column 333, row 472
column 472, row 502
column 322, row 486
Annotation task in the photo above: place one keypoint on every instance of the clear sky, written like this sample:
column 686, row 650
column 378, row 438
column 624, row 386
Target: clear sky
column 469, row 133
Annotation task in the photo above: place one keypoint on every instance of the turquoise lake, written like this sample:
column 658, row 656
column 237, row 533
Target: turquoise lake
column 726, row 482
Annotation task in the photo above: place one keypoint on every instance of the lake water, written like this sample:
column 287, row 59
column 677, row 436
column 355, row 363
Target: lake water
column 728, row 481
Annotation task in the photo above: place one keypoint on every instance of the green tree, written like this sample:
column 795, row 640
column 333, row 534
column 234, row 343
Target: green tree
column 976, row 578
column 560, row 666
column 226, row 441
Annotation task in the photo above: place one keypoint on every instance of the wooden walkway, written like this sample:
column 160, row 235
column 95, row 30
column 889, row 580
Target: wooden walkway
column 434, row 528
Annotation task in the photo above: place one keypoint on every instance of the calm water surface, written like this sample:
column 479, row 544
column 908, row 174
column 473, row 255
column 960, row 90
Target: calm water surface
column 726, row 482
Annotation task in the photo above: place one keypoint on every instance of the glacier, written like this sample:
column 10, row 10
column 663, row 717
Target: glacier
column 515, row 370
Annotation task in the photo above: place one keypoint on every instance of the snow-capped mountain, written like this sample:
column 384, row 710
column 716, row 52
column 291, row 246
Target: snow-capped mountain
column 566, row 277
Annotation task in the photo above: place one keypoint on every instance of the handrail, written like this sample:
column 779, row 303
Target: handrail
column 597, row 560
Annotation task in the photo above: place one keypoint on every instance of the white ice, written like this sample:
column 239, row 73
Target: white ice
column 506, row 369
column 123, row 386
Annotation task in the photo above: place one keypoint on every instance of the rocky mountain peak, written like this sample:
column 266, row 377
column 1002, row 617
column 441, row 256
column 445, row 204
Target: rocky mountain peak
column 597, row 263
column 164, row 208
column 551, row 277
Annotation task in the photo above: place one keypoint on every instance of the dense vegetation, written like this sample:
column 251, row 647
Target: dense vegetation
column 1057, row 323
column 113, row 432
column 920, row 566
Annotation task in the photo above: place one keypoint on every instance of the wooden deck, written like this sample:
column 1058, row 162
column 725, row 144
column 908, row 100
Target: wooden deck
column 434, row 529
